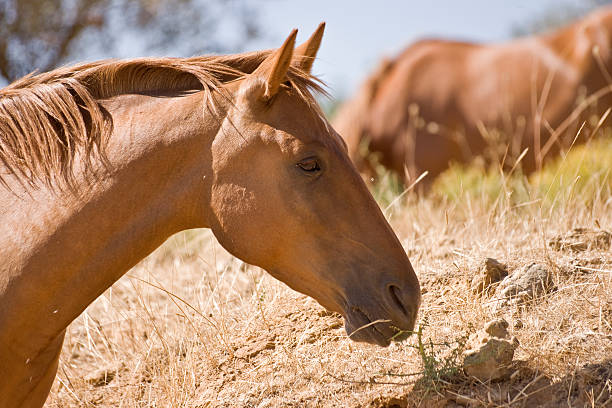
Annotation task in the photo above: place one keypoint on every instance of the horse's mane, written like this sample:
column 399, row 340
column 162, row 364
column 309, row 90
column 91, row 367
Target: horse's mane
column 46, row 119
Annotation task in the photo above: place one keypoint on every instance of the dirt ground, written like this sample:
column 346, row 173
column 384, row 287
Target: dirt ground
column 190, row 326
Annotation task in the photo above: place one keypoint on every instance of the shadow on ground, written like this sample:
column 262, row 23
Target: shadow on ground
column 589, row 386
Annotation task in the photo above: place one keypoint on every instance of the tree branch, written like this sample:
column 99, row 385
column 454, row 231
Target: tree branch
column 81, row 21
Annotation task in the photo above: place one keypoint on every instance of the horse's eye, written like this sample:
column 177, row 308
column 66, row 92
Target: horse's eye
column 309, row 165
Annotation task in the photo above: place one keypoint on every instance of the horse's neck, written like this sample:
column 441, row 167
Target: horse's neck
column 59, row 252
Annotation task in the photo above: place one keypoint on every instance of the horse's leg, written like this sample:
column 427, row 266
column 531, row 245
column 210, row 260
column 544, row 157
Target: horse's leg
column 38, row 394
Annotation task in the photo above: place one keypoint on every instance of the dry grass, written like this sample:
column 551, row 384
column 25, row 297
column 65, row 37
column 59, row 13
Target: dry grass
column 191, row 326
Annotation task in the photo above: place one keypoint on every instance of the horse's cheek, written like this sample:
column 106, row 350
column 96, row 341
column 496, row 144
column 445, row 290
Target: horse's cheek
column 238, row 226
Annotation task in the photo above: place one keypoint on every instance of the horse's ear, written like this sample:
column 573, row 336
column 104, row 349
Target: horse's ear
column 273, row 69
column 306, row 53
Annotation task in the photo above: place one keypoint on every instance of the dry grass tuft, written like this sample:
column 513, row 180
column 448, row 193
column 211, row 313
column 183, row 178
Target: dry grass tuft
column 191, row 326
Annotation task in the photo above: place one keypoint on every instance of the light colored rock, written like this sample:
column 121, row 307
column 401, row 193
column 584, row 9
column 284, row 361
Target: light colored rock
column 491, row 352
column 524, row 284
column 581, row 239
column 497, row 328
column 491, row 271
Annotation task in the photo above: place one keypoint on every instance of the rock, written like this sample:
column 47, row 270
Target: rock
column 497, row 328
column 491, row 271
column 581, row 239
column 389, row 401
column 525, row 284
column 103, row 376
column 491, row 352
column 254, row 347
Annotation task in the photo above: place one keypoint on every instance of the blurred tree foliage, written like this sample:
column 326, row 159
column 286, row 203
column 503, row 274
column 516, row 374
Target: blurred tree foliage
column 41, row 34
column 562, row 13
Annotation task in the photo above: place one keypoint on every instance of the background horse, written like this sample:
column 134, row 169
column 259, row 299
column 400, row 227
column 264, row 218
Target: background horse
column 442, row 101
column 100, row 163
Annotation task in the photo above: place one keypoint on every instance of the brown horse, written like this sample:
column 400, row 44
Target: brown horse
column 100, row 163
column 443, row 101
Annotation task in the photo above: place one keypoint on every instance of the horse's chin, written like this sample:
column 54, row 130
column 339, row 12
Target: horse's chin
column 359, row 327
column 381, row 332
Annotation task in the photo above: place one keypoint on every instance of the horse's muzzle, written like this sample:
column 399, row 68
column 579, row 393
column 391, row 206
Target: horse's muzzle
column 391, row 316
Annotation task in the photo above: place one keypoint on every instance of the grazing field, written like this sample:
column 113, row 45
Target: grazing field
column 190, row 326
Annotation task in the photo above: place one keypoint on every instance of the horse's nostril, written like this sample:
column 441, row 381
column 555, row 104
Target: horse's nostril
column 395, row 294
